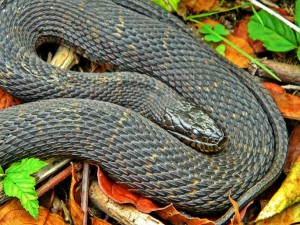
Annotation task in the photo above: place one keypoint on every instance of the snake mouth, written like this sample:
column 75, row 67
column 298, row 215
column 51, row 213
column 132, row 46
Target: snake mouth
column 193, row 126
column 207, row 144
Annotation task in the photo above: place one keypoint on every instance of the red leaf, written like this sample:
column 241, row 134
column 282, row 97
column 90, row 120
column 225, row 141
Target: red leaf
column 240, row 30
column 121, row 195
column 288, row 104
column 293, row 149
column 7, row 100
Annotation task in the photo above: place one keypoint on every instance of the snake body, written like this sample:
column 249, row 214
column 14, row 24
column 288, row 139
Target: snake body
column 139, row 39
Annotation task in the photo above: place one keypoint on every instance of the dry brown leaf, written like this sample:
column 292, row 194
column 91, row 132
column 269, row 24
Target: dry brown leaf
column 288, row 104
column 293, row 149
column 121, row 195
column 197, row 6
column 97, row 221
column 241, row 31
column 75, row 210
column 236, row 57
column 230, row 53
column 236, row 219
column 176, row 218
column 14, row 213
column 7, row 100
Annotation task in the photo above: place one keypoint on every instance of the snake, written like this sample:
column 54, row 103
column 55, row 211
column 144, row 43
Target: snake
column 103, row 118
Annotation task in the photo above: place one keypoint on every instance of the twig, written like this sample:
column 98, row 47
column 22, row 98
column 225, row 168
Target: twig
column 56, row 180
column 287, row 73
column 85, row 192
column 124, row 214
column 278, row 16
column 291, row 87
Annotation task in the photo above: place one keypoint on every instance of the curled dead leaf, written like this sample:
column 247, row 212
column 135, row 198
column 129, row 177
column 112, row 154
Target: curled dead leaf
column 7, row 100
column 197, row 6
column 288, row 104
column 241, row 31
column 293, row 149
column 121, row 195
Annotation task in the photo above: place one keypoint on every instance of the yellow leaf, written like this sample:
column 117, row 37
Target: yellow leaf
column 289, row 216
column 287, row 195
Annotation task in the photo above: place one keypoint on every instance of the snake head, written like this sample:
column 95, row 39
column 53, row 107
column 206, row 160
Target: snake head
column 191, row 125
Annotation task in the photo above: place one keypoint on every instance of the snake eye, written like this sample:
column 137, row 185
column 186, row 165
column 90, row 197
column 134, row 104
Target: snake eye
column 195, row 132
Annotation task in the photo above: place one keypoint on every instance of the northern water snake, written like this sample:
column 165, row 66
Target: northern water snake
column 136, row 37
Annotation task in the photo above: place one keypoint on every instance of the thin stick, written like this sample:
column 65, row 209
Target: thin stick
column 85, row 192
column 278, row 16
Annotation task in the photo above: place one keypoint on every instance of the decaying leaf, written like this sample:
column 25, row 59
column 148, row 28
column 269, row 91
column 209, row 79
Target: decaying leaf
column 14, row 213
column 236, row 57
column 240, row 30
column 197, row 6
column 176, row 218
column 7, row 100
column 230, row 53
column 97, row 221
column 287, row 195
column 293, row 149
column 121, row 195
column 236, row 220
column 288, row 104
column 289, row 216
column 75, row 210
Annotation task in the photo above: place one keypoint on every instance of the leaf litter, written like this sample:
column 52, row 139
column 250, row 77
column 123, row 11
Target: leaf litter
column 287, row 103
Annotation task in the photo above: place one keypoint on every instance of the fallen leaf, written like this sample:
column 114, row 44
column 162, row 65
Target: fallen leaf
column 197, row 6
column 121, row 195
column 288, row 104
column 97, row 221
column 236, row 219
column 7, row 100
column 230, row 53
column 14, row 213
column 236, row 57
column 75, row 210
column 238, row 214
column 176, row 218
column 240, row 30
column 287, row 195
column 289, row 216
column 293, row 149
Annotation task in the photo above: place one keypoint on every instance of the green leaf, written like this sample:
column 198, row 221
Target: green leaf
column 206, row 29
column 220, row 29
column 275, row 35
column 22, row 186
column 297, row 19
column 298, row 53
column 212, row 37
column 26, row 166
column 18, row 183
column 221, row 49
column 213, row 34
column 169, row 5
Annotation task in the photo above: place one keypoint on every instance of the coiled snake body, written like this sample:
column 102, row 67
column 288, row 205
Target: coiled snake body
column 142, row 40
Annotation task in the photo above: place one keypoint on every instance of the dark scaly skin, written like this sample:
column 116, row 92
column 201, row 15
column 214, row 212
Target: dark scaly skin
column 159, row 167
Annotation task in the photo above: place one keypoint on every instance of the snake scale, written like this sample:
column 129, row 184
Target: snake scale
column 148, row 47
